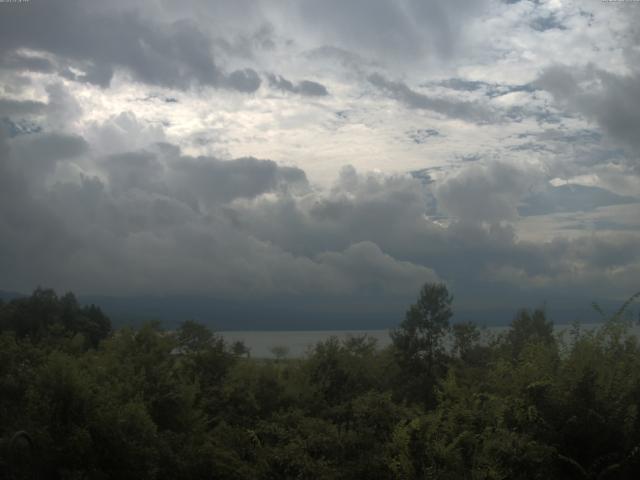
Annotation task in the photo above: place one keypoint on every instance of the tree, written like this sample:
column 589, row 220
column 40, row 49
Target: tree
column 280, row 352
column 239, row 349
column 194, row 337
column 45, row 315
column 418, row 340
column 465, row 338
column 529, row 327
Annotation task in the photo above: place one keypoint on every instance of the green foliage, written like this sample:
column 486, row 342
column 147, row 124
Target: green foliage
column 45, row 316
column 80, row 401
column 418, row 342
column 527, row 328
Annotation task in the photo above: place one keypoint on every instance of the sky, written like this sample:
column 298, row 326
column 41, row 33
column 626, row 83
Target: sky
column 311, row 164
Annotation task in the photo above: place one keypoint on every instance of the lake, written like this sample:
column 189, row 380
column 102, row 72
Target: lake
column 298, row 343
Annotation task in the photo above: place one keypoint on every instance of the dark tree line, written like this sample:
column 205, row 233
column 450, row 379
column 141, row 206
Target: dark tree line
column 80, row 401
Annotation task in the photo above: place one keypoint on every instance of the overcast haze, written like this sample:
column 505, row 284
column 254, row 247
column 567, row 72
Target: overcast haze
column 318, row 161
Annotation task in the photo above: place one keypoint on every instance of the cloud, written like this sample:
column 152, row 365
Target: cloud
column 108, row 186
column 95, row 74
column 123, row 132
column 96, row 41
column 423, row 135
column 126, row 171
column 60, row 111
column 485, row 193
column 312, row 89
column 478, row 253
column 548, row 22
column 32, row 63
column 304, row 87
column 210, row 181
column 611, row 100
column 156, row 221
column 405, row 30
column 35, row 156
column 571, row 198
column 246, row 80
column 375, row 272
column 10, row 107
column 463, row 110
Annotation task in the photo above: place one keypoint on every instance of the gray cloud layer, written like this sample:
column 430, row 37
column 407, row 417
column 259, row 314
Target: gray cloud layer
column 304, row 87
column 468, row 111
column 613, row 101
column 96, row 41
column 158, row 221
column 163, row 222
column 403, row 30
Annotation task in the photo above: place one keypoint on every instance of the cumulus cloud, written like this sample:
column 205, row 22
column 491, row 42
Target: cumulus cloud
column 369, row 268
column 159, row 222
column 34, row 157
column 123, row 132
column 211, row 181
column 472, row 252
column 486, row 193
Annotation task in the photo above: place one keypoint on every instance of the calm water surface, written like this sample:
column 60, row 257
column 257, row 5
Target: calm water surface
column 298, row 343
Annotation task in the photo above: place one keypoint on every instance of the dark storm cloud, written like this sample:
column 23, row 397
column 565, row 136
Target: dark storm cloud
column 478, row 260
column 468, row 111
column 162, row 222
column 97, row 41
column 304, row 87
column 611, row 100
column 198, row 181
column 158, row 221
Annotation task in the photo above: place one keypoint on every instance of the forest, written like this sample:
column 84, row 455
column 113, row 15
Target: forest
column 81, row 400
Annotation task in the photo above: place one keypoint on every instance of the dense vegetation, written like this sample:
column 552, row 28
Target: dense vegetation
column 78, row 400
